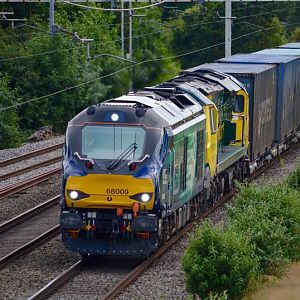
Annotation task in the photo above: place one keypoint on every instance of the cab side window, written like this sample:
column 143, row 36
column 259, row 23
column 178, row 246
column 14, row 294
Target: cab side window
column 212, row 121
column 239, row 104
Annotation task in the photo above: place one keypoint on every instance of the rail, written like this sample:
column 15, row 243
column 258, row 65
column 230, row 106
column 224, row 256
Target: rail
column 56, row 282
column 30, row 168
column 133, row 275
column 29, row 214
column 15, row 188
column 48, row 235
column 17, row 243
column 13, row 160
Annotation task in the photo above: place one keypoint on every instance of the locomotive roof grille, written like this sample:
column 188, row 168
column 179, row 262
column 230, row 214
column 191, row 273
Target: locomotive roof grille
column 121, row 104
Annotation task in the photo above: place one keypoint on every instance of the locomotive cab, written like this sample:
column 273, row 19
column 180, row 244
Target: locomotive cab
column 111, row 165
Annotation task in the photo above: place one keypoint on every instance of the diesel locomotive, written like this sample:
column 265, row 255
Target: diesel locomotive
column 138, row 167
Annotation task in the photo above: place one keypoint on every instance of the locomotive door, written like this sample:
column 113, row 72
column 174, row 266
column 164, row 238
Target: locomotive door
column 240, row 119
column 166, row 182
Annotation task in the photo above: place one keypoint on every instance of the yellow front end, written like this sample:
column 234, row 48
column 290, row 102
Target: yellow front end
column 109, row 191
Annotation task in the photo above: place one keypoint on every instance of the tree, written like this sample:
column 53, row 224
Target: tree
column 194, row 30
column 44, row 74
column 295, row 37
column 10, row 135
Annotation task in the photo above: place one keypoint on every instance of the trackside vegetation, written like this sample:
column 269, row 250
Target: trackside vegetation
column 260, row 238
column 218, row 260
column 293, row 179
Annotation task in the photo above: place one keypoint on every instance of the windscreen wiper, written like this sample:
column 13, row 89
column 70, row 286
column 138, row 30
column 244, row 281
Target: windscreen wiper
column 122, row 156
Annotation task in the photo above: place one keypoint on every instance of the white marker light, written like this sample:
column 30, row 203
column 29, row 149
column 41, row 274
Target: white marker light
column 145, row 197
column 115, row 117
column 73, row 195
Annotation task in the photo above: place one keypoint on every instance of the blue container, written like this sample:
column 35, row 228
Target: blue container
column 288, row 98
column 290, row 45
column 280, row 51
column 260, row 82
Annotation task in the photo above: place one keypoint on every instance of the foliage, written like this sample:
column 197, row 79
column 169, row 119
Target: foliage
column 270, row 217
column 292, row 17
column 10, row 135
column 260, row 237
column 254, row 36
column 218, row 296
column 46, row 74
column 152, row 41
column 219, row 260
column 194, row 31
column 295, row 37
column 162, row 33
column 293, row 179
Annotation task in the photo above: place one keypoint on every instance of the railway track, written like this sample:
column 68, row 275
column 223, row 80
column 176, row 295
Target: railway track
column 77, row 270
column 19, row 165
column 30, row 168
column 28, row 230
column 22, row 185
column 78, row 267
column 19, row 158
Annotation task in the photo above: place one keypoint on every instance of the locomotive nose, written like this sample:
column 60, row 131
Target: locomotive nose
column 109, row 191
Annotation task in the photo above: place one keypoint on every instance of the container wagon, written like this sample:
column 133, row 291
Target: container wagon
column 288, row 72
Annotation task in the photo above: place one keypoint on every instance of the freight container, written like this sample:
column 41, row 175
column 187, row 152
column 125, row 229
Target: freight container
column 260, row 82
column 296, row 89
column 290, row 45
column 287, row 99
column 280, row 51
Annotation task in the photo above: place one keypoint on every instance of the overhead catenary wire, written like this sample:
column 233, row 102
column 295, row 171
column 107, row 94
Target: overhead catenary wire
column 112, row 9
column 137, row 64
column 183, row 13
column 41, row 53
column 134, row 37
column 17, row 35
column 106, row 43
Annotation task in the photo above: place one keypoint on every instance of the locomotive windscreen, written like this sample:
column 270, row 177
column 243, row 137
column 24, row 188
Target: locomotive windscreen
column 113, row 141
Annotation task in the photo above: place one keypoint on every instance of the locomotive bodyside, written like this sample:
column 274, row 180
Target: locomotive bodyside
column 130, row 164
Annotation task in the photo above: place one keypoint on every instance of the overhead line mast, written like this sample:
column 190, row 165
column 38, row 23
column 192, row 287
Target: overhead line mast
column 228, row 17
column 51, row 18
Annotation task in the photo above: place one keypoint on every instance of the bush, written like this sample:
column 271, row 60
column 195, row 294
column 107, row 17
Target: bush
column 218, row 260
column 293, row 179
column 217, row 296
column 270, row 217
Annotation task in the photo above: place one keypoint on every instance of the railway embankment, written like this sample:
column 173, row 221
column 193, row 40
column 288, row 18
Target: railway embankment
column 260, row 239
column 166, row 279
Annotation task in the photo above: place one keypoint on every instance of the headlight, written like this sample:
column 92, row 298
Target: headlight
column 145, row 197
column 77, row 195
column 73, row 195
column 115, row 117
column 142, row 197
